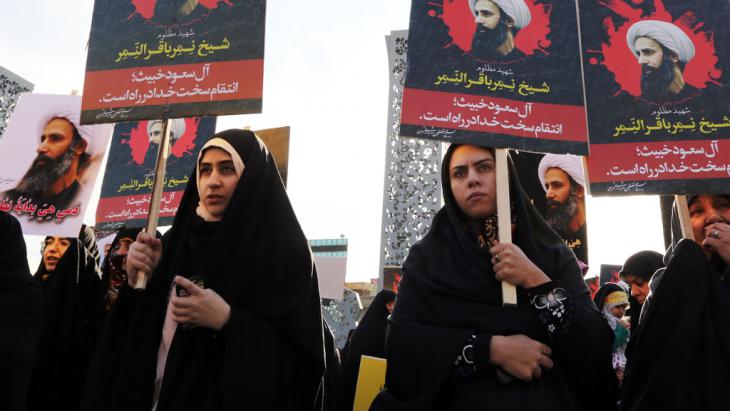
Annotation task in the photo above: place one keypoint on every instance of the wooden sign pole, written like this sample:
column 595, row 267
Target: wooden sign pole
column 504, row 219
column 157, row 188
column 684, row 221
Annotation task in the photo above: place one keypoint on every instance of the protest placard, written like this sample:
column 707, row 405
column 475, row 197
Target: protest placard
column 158, row 59
column 50, row 164
column 658, row 99
column 277, row 141
column 508, row 77
column 555, row 184
column 370, row 381
column 127, row 187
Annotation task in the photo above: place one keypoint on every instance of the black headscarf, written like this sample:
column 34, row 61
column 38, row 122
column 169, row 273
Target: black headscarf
column 270, row 355
column 448, row 292
column 367, row 339
column 71, row 321
column 114, row 264
column 680, row 356
column 21, row 309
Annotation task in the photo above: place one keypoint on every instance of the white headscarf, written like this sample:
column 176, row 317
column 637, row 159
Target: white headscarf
column 572, row 165
column 237, row 165
column 516, row 9
column 667, row 34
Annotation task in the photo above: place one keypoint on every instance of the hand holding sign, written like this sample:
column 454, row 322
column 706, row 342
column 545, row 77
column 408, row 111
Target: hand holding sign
column 144, row 255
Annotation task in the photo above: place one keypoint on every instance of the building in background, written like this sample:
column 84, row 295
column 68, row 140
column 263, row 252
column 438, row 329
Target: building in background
column 341, row 308
column 412, row 186
column 11, row 87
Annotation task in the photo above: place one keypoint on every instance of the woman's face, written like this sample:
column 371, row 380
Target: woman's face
column 618, row 311
column 55, row 248
column 218, row 181
column 473, row 181
column 639, row 287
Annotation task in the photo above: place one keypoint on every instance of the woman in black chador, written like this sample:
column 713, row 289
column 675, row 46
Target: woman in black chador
column 72, row 313
column 21, row 310
column 230, row 318
column 367, row 339
column 452, row 345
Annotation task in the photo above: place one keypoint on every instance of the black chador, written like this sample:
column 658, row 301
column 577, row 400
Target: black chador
column 449, row 307
column 21, row 309
column 270, row 353
column 72, row 316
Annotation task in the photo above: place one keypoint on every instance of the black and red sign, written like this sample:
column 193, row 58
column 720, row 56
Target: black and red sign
column 502, row 73
column 156, row 59
column 657, row 75
column 127, row 187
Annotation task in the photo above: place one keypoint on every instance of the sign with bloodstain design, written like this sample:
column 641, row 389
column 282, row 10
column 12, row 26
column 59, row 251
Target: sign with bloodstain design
column 501, row 73
column 656, row 74
column 127, row 186
column 159, row 59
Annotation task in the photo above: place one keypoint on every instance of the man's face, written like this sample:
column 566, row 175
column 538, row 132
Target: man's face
column 657, row 68
column 649, row 51
column 557, row 185
column 218, row 181
column 563, row 200
column 491, row 29
column 486, row 14
column 156, row 132
column 639, row 287
column 56, row 139
column 705, row 210
column 56, row 155
column 473, row 181
column 55, row 248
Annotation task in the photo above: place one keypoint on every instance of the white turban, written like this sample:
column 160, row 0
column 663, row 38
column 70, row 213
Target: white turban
column 667, row 34
column 95, row 135
column 516, row 9
column 177, row 127
column 572, row 165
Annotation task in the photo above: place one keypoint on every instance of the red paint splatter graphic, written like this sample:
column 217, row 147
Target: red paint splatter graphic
column 139, row 142
column 458, row 17
column 593, row 286
column 146, row 8
column 619, row 60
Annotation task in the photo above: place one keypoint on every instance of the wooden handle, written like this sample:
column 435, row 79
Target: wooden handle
column 504, row 219
column 684, row 221
column 157, row 188
column 141, row 282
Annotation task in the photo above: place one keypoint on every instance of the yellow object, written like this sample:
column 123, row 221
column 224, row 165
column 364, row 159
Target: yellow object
column 617, row 298
column 370, row 381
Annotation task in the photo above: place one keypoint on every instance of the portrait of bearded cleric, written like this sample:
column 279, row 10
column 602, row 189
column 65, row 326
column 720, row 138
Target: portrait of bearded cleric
column 563, row 180
column 53, row 176
column 662, row 49
column 168, row 13
column 497, row 23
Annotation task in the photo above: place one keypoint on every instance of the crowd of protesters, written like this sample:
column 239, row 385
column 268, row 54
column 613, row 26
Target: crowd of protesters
column 230, row 317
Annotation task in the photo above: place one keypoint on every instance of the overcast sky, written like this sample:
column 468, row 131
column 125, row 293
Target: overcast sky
column 326, row 76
